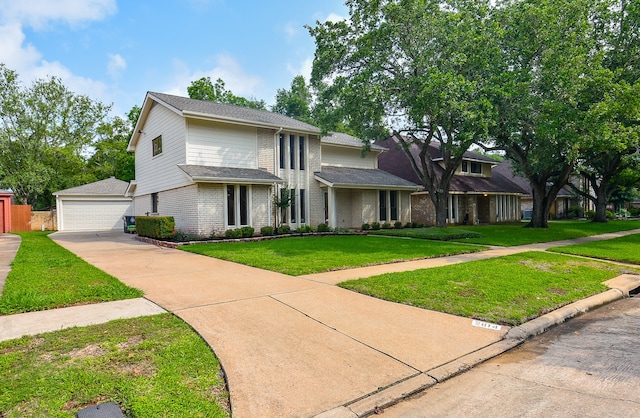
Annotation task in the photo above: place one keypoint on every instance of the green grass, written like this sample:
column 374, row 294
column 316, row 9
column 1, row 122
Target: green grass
column 438, row 234
column 624, row 249
column 506, row 290
column 517, row 234
column 151, row 366
column 44, row 276
column 306, row 255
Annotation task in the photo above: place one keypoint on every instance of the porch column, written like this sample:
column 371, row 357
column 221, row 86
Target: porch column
column 331, row 202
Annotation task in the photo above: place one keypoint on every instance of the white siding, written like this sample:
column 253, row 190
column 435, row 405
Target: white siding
column 161, row 172
column 348, row 157
column 221, row 145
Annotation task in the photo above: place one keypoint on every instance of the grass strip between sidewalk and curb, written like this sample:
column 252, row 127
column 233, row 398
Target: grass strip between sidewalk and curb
column 623, row 249
column 307, row 255
column 153, row 366
column 507, row 290
column 45, row 276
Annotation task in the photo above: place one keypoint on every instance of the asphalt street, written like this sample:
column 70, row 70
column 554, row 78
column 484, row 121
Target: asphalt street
column 587, row 367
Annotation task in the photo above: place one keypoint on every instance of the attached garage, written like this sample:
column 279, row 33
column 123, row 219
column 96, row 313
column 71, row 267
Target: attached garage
column 98, row 206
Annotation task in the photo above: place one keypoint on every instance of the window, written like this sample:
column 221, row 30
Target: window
column 303, row 207
column 292, row 152
column 476, row 168
column 465, row 167
column 383, row 205
column 281, row 150
column 237, row 205
column 393, row 204
column 154, row 202
column 157, row 145
column 293, row 205
column 301, row 146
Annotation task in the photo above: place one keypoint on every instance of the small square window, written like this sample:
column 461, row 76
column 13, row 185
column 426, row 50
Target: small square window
column 157, row 145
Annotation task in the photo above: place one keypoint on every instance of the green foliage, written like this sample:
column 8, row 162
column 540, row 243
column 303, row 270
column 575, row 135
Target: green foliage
column 247, row 231
column 204, row 89
column 284, row 229
column 634, row 212
column 397, row 225
column 157, row 227
column 233, row 233
column 46, row 276
column 323, row 228
column 304, row 229
column 611, row 215
column 296, row 102
column 409, row 225
column 536, row 284
column 366, row 226
column 575, row 212
column 375, row 225
column 266, row 230
column 154, row 366
column 386, row 225
column 45, row 133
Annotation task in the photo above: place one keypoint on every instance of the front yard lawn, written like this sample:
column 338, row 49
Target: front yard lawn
column 154, row 366
column 305, row 255
column 44, row 276
column 624, row 249
column 508, row 235
column 507, row 290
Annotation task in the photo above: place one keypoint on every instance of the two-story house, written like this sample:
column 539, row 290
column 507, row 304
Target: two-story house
column 477, row 193
column 215, row 167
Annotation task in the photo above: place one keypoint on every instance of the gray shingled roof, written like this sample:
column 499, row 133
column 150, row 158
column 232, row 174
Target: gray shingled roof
column 345, row 176
column 224, row 174
column 340, row 138
column 107, row 187
column 237, row 113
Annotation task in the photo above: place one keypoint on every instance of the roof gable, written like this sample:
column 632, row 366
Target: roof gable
column 107, row 187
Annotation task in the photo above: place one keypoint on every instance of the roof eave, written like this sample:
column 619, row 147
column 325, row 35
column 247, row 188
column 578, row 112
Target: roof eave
column 235, row 121
column 224, row 180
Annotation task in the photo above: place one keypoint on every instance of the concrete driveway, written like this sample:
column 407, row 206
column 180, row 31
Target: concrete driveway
column 289, row 346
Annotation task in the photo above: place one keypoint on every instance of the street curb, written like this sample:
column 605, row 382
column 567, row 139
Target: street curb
column 374, row 403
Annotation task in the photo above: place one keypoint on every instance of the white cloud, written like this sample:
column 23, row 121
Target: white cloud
column 226, row 67
column 39, row 13
column 116, row 65
column 303, row 68
column 290, row 30
column 333, row 17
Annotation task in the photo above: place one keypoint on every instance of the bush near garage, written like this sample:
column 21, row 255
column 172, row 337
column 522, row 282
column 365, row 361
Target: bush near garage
column 156, row 227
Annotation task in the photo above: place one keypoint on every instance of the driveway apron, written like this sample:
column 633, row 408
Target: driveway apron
column 289, row 346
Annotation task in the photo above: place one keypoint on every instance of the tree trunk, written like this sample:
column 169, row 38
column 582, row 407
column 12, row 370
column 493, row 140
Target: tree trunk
column 540, row 215
column 601, row 206
column 440, row 203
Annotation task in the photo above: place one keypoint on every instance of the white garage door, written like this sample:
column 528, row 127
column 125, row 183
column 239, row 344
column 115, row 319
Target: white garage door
column 78, row 215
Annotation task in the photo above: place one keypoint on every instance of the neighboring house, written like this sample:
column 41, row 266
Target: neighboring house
column 6, row 197
column 215, row 167
column 564, row 200
column 477, row 194
column 95, row 206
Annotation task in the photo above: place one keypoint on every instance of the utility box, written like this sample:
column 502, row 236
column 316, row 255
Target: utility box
column 105, row 410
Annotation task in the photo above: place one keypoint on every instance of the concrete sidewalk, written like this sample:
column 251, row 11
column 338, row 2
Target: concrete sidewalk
column 299, row 346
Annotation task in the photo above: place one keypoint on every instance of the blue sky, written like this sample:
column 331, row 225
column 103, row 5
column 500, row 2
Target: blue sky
column 117, row 50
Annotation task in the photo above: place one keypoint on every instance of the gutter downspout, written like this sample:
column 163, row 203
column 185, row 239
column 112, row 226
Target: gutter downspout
column 276, row 169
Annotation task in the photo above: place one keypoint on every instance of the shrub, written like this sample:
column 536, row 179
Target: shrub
column 590, row 214
column 408, row 225
column 386, row 225
column 184, row 236
column 233, row 233
column 575, row 212
column 375, row 225
column 247, row 231
column 634, row 212
column 323, row 228
column 610, row 215
column 157, row 227
column 419, row 225
column 366, row 226
column 266, row 230
column 304, row 229
column 397, row 225
column 284, row 229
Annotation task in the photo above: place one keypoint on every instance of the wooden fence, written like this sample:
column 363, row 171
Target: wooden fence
column 20, row 218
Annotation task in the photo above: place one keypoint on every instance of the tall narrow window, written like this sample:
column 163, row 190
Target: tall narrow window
column 464, row 168
column 293, row 205
column 326, row 207
column 383, row 205
column 393, row 204
column 244, row 205
column 231, row 205
column 303, row 207
column 292, row 152
column 156, row 144
column 282, row 154
column 154, row 202
column 301, row 146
